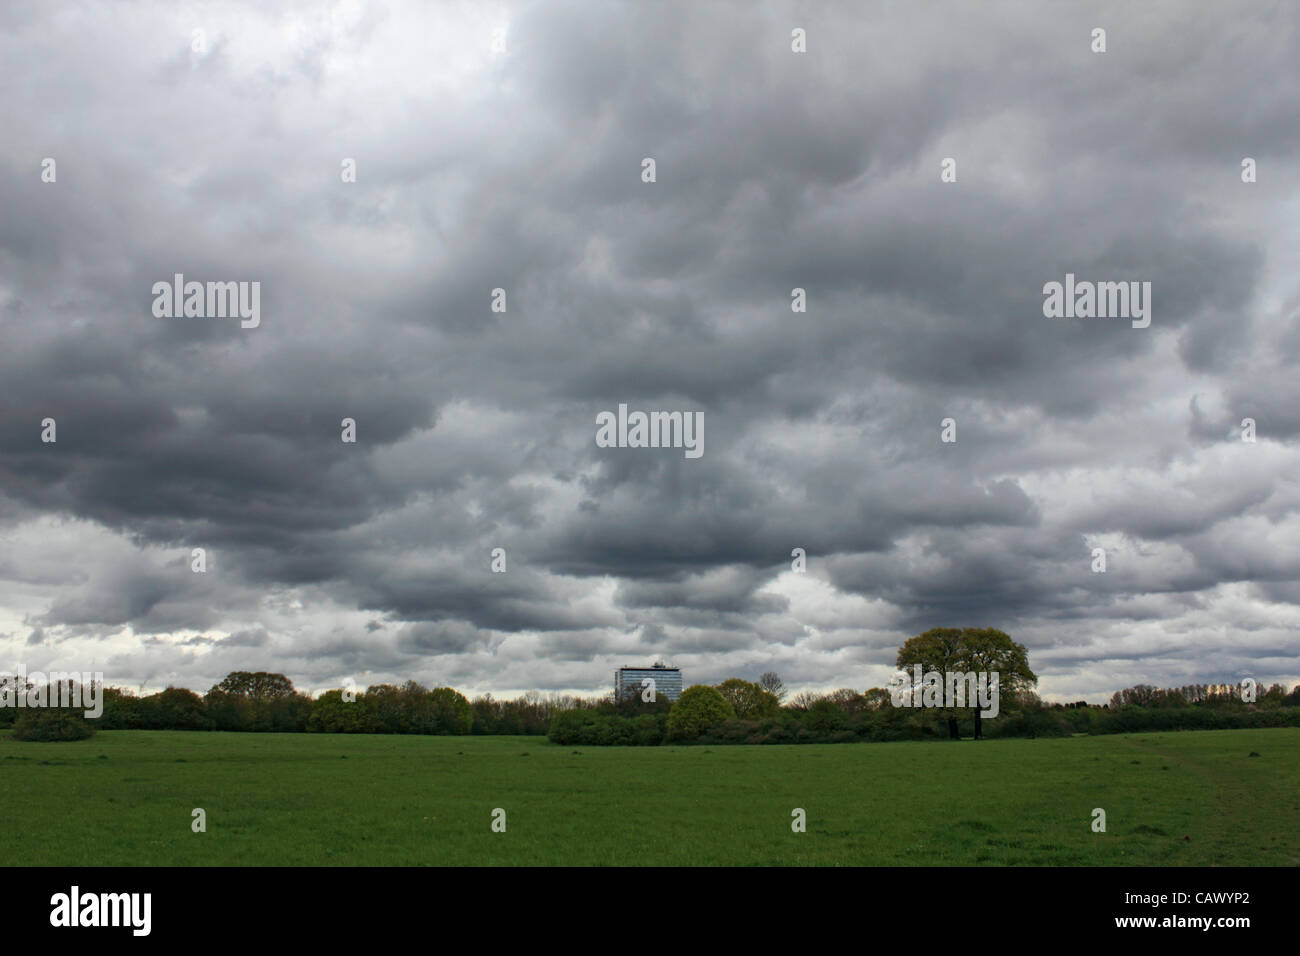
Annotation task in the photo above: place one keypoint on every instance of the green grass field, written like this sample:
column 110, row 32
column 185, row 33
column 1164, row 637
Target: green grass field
column 125, row 798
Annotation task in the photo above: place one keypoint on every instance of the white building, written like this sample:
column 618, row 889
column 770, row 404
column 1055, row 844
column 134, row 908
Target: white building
column 667, row 680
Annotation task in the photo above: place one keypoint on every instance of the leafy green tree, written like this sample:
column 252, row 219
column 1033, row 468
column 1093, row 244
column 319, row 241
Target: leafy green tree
column 487, row 715
column 120, row 710
column 419, row 713
column 258, row 701
column 285, row 715
column 876, row 699
column 938, row 649
column 332, row 714
column 227, row 711
column 750, row 701
column 388, row 709
column 951, row 650
column 988, row 650
column 173, row 709
column 256, row 686
column 699, row 708
column 452, row 712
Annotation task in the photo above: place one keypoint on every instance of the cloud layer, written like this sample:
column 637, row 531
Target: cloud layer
column 502, row 147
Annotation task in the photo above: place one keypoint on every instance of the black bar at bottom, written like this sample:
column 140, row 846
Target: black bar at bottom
column 347, row 905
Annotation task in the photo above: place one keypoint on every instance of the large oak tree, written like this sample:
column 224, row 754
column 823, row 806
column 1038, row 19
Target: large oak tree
column 962, row 650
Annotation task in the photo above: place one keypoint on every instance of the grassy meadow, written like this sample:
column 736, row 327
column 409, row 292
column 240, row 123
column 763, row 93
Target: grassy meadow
column 125, row 798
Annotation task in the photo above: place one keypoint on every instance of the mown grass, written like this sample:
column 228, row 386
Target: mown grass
column 125, row 798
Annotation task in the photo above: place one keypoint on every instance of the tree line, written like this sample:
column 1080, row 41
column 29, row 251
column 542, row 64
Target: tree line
column 711, row 715
column 734, row 711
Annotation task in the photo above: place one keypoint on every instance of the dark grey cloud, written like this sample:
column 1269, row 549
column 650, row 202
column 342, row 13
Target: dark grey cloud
column 521, row 170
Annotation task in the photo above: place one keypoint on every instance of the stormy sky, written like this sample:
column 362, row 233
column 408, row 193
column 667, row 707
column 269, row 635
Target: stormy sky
column 502, row 146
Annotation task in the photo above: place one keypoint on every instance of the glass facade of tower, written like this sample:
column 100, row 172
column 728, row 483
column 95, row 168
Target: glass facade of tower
column 668, row 680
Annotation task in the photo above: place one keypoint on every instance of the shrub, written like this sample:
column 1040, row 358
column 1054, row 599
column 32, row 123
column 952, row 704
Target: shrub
column 825, row 717
column 649, row 730
column 1027, row 723
column 731, row 731
column 594, row 728
column 46, row 725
